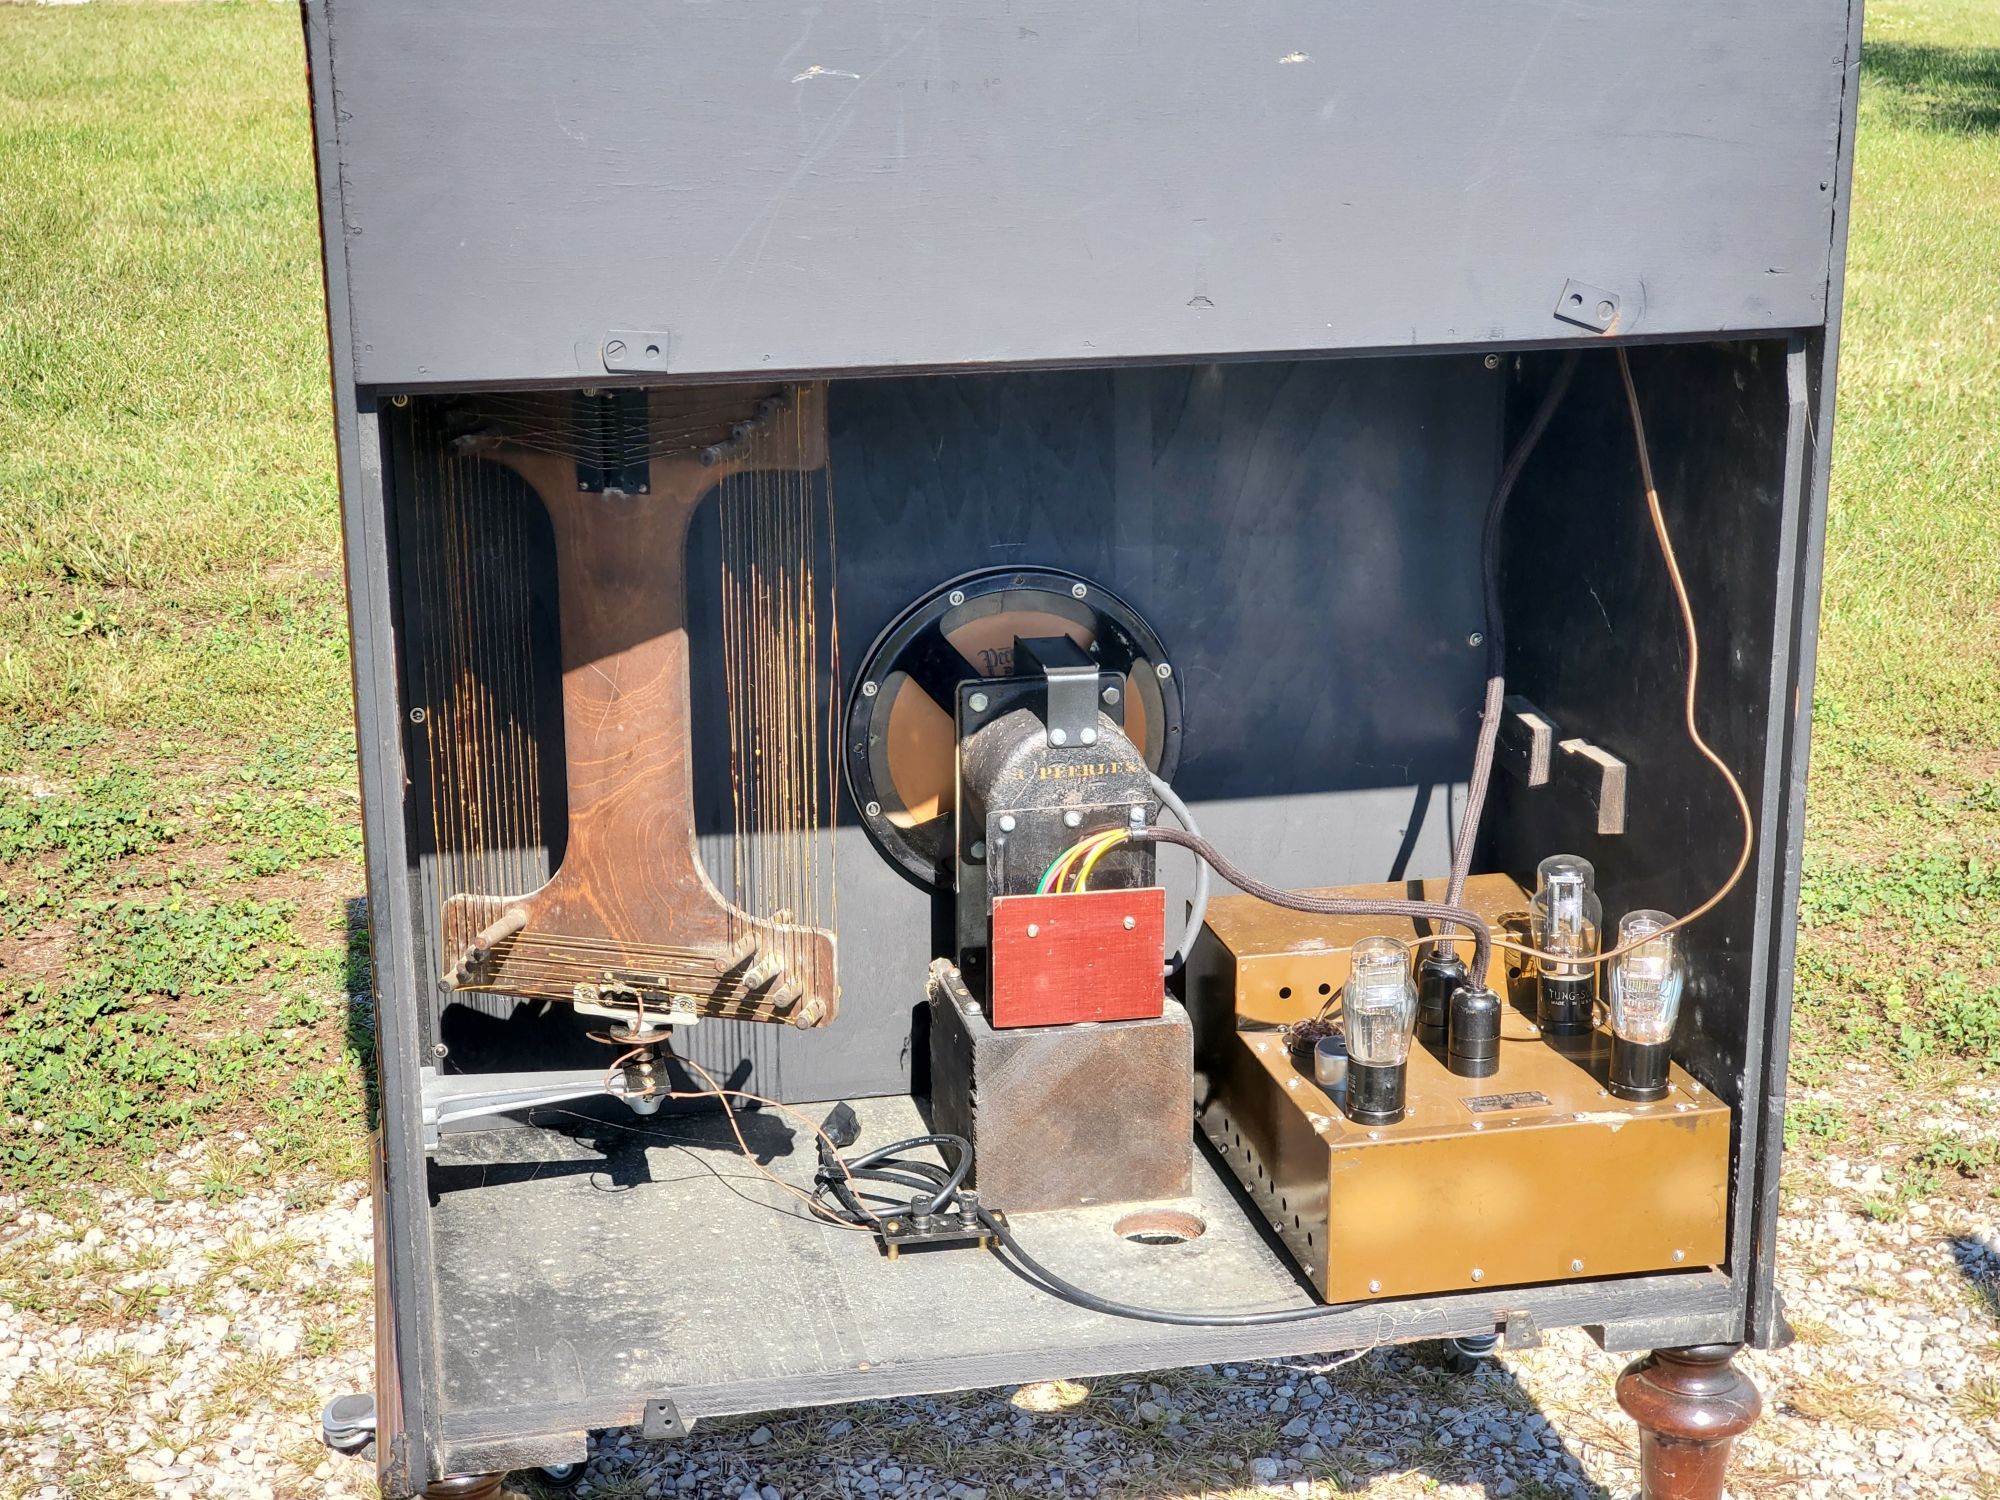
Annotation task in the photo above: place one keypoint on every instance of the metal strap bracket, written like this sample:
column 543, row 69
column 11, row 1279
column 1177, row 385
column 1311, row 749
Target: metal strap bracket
column 1071, row 674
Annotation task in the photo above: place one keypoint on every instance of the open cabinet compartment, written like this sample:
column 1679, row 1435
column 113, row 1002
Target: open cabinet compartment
column 1304, row 537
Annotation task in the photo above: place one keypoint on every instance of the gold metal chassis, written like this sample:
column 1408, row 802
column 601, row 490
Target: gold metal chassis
column 1535, row 1174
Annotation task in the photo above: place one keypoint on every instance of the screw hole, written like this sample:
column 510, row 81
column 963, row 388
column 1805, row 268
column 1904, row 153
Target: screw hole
column 1284, row 992
column 1325, row 989
column 1576, row 299
column 652, row 351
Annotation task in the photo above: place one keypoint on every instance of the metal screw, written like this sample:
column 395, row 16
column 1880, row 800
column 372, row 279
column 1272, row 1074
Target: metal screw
column 873, row 809
column 1078, row 591
column 1130, row 923
column 1679, row 1256
column 869, row 690
column 1291, row 1083
column 1492, row 361
column 1478, row 1124
column 417, row 716
column 1374, row 1286
column 439, row 1049
column 1033, row 930
column 1604, row 312
column 1477, row 638
column 977, row 703
column 1576, row 1265
column 615, row 348
column 1006, row 822
column 1477, row 1274
column 1111, row 695
column 1138, row 815
column 1088, row 736
column 956, row 596
column 1072, row 819
column 1058, row 737
column 978, row 849
column 1163, row 671
column 399, row 400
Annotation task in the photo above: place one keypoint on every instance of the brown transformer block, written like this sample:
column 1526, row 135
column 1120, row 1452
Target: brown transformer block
column 1065, row 1116
column 1534, row 1174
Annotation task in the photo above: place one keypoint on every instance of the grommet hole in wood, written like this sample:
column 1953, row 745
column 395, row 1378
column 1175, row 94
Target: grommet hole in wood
column 1160, row 1226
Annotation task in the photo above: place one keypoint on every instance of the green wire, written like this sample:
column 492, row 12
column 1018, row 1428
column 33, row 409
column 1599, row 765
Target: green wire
column 1043, row 888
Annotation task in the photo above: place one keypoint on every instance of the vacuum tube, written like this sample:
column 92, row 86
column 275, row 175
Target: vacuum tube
column 1645, row 989
column 1379, row 1006
column 1567, row 921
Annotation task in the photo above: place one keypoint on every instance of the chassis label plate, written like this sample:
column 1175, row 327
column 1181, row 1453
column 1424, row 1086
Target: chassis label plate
column 1483, row 1104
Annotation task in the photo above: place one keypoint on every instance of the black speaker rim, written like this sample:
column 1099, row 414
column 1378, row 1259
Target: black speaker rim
column 865, row 719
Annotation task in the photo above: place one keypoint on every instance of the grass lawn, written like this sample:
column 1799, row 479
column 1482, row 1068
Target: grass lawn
column 178, row 814
column 179, row 854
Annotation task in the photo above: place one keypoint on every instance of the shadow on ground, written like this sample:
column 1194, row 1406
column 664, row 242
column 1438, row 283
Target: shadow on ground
column 1952, row 90
column 1979, row 1264
column 358, row 983
column 1400, row 1419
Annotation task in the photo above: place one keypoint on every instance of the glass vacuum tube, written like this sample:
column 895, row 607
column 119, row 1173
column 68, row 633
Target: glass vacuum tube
column 1568, row 920
column 1645, row 987
column 1379, row 1011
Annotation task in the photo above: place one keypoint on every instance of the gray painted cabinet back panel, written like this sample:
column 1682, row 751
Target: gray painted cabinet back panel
column 792, row 187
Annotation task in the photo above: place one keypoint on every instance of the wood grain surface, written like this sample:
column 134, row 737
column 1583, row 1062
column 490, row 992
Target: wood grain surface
column 631, row 901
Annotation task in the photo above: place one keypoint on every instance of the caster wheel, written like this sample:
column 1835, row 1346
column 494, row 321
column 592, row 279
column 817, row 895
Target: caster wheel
column 560, row 1476
column 1463, row 1356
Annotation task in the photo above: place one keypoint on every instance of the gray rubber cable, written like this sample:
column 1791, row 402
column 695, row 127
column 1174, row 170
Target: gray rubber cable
column 1198, row 906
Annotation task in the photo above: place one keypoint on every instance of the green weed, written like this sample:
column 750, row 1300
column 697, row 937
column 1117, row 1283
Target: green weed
column 1966, row 1018
column 67, row 837
column 1809, row 1119
column 1925, row 893
column 117, row 1055
column 1951, row 1153
column 271, row 832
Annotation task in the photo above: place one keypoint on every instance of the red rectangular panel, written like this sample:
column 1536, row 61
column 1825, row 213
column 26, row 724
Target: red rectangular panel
column 1091, row 957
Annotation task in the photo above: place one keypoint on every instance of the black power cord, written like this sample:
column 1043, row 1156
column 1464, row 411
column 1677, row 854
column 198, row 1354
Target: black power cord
column 937, row 1186
column 1069, row 1291
column 940, row 1191
column 1327, row 906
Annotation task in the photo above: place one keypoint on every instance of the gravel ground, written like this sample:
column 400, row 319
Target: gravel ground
column 175, row 1346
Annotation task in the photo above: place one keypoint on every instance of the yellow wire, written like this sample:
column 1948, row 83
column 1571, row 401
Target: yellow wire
column 1070, row 854
column 1116, row 837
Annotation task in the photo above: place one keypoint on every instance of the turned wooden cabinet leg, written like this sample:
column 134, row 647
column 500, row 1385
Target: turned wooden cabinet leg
column 464, row 1487
column 1690, row 1405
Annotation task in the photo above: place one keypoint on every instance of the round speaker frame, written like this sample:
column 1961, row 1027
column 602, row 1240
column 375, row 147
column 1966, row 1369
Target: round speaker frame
column 1120, row 638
